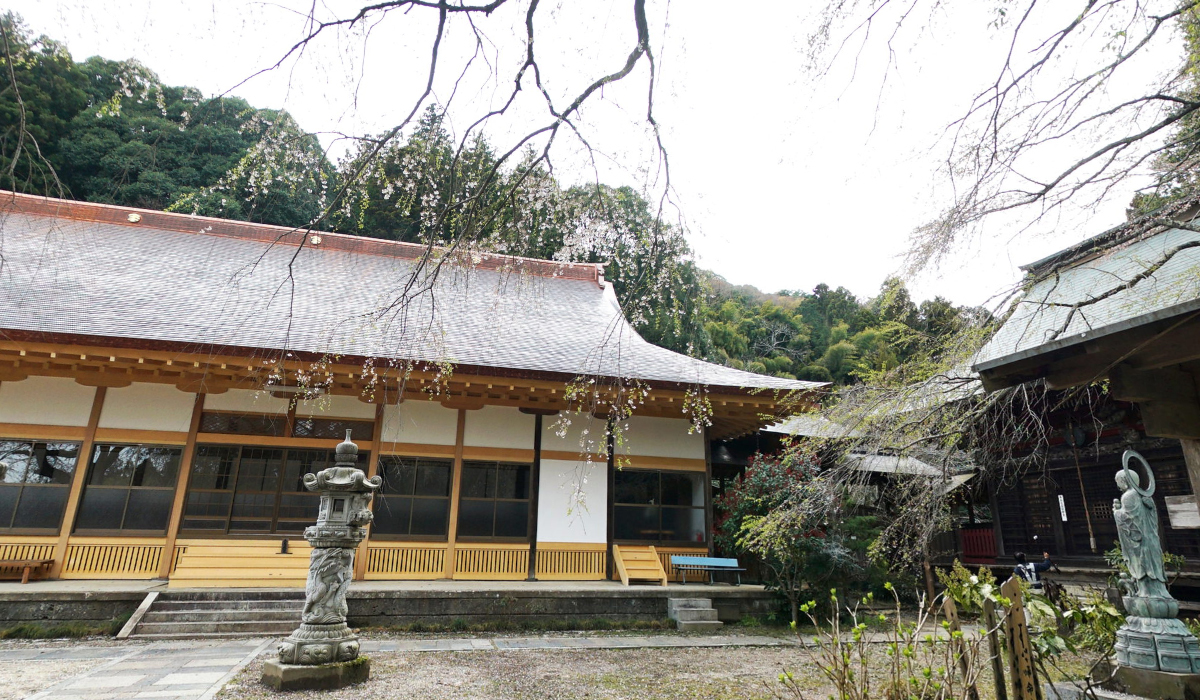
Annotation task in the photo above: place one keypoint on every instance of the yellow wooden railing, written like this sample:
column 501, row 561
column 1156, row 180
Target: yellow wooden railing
column 491, row 562
column 569, row 561
column 98, row 558
column 25, row 548
column 388, row 561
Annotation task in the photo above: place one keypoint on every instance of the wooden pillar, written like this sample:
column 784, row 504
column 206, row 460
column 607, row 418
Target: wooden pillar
column 535, row 487
column 77, row 481
column 996, row 531
column 610, row 448
column 708, row 502
column 1191, row 457
column 181, row 484
column 455, row 490
column 360, row 554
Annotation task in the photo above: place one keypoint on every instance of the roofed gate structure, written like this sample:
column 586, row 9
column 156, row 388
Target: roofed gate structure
column 1122, row 306
column 157, row 408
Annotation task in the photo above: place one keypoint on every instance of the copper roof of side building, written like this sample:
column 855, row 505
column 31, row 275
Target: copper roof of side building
column 75, row 269
column 1065, row 305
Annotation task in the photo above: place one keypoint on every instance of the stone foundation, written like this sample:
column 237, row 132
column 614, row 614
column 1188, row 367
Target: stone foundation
column 391, row 607
column 280, row 676
column 53, row 608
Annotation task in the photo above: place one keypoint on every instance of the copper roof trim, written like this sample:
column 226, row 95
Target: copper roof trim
column 207, row 226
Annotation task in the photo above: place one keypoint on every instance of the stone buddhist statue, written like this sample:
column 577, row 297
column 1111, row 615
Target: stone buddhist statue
column 1152, row 637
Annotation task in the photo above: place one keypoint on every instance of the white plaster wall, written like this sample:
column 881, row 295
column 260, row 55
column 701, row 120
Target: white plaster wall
column 583, row 434
column 147, row 407
column 499, row 426
column 423, row 422
column 46, row 401
column 662, row 437
column 245, row 401
column 572, row 501
column 336, row 407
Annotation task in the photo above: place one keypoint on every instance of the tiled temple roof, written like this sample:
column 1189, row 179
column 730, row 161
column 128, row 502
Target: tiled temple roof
column 97, row 271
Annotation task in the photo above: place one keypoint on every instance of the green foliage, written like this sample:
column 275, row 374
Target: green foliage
column 908, row 662
column 826, row 335
column 1093, row 620
column 50, row 92
column 968, row 590
column 793, row 521
column 1172, row 564
column 61, row 630
column 1176, row 164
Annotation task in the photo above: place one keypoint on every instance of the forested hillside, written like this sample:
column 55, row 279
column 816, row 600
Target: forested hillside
column 111, row 131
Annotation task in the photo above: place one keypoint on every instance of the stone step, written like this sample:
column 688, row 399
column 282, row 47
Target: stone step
column 254, row 594
column 695, row 615
column 689, row 603
column 698, row 625
column 219, row 615
column 204, row 635
column 246, row 605
column 188, row 629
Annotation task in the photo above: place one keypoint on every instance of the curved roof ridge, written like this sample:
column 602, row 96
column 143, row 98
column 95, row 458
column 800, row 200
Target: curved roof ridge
column 297, row 236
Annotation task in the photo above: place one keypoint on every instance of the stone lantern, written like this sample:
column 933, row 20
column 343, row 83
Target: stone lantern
column 323, row 653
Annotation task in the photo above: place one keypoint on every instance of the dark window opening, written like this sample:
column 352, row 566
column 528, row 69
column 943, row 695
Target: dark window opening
column 494, row 503
column 35, row 479
column 129, row 488
column 253, row 490
column 333, row 428
column 243, row 423
column 415, row 498
column 658, row 506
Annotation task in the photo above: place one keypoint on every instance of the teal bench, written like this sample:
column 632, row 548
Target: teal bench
column 710, row 565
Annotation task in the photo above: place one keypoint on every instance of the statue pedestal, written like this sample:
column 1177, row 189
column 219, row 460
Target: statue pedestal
column 282, row 676
column 1156, row 644
column 1140, row 682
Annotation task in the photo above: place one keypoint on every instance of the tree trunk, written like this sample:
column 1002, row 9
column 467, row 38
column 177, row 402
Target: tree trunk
column 794, row 602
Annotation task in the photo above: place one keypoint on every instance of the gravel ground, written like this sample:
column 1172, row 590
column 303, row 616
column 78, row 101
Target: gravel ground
column 649, row 674
column 20, row 678
column 745, row 673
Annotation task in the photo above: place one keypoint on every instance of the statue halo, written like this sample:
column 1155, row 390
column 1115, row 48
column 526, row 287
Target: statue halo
column 1147, row 492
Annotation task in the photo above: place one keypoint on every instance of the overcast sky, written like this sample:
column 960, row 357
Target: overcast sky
column 786, row 179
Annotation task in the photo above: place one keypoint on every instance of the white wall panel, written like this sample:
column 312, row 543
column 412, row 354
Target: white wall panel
column 245, row 401
column 336, row 407
column 662, row 437
column 46, row 401
column 423, row 422
column 584, row 433
column 572, row 501
column 148, row 407
column 499, row 426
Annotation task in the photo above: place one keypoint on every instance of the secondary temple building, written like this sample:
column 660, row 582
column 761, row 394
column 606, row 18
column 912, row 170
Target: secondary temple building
column 166, row 381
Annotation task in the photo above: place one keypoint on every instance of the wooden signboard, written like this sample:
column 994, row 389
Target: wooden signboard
column 1182, row 512
column 1016, row 639
column 992, row 629
column 960, row 649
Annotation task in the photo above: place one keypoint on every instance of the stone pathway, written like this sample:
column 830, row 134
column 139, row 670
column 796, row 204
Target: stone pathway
column 168, row 671
column 196, row 670
column 543, row 643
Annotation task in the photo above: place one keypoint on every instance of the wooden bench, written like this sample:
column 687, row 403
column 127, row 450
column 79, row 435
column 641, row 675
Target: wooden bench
column 27, row 566
column 710, row 565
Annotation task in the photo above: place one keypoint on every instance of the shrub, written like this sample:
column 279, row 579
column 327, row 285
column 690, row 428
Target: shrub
column 967, row 590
